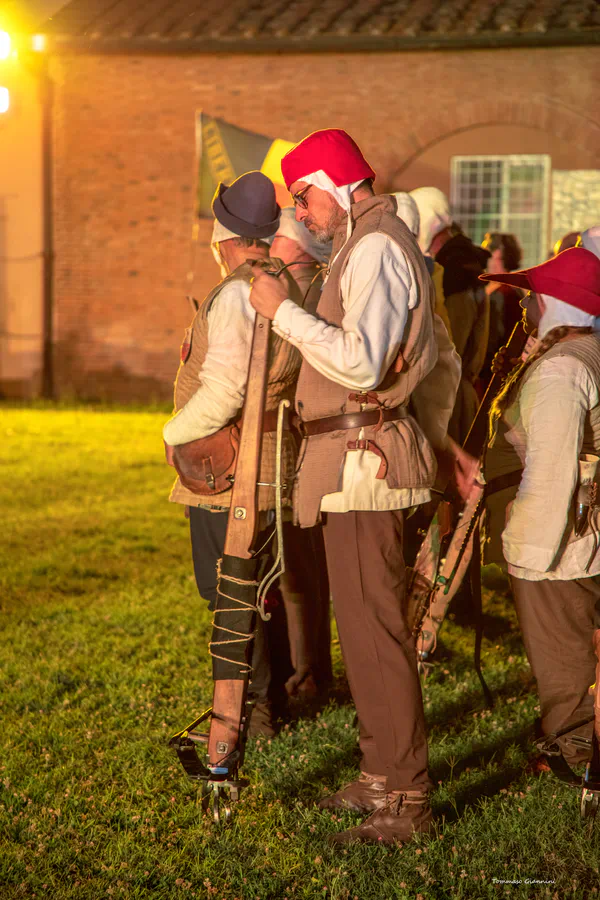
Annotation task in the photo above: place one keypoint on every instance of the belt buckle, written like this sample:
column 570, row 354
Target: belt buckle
column 300, row 427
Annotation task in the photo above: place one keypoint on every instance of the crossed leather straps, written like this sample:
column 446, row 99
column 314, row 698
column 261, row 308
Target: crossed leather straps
column 366, row 443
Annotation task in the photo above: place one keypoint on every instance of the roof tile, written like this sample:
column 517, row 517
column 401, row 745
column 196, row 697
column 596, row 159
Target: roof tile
column 102, row 21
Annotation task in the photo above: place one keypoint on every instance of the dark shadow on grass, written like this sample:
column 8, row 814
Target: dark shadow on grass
column 469, row 796
column 298, row 709
column 484, row 753
column 456, row 709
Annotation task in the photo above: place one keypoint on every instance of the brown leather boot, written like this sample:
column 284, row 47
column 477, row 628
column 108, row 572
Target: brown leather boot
column 404, row 814
column 365, row 795
column 261, row 721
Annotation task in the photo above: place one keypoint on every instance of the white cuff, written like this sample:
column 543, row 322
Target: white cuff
column 282, row 323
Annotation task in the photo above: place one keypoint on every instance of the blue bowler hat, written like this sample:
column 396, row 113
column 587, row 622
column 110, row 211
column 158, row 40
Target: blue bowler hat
column 248, row 207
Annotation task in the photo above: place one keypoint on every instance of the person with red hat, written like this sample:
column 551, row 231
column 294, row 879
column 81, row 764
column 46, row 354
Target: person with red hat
column 366, row 457
column 548, row 416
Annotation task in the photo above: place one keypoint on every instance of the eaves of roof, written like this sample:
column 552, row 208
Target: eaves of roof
column 325, row 43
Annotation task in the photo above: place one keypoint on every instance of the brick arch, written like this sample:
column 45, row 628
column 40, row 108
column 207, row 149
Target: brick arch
column 539, row 112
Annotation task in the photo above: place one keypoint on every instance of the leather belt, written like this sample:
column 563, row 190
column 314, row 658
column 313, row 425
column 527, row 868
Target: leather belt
column 270, row 420
column 350, row 420
column 501, row 482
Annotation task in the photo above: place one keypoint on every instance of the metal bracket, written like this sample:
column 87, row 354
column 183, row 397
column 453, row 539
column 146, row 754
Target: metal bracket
column 223, row 788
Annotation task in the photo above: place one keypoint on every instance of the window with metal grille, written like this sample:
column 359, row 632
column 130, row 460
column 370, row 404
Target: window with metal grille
column 504, row 193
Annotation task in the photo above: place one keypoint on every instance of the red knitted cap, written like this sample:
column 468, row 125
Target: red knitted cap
column 331, row 150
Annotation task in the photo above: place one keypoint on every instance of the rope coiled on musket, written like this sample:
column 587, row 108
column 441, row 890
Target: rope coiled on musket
column 238, row 637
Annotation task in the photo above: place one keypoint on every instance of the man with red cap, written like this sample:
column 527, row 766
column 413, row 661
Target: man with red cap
column 366, row 457
column 548, row 416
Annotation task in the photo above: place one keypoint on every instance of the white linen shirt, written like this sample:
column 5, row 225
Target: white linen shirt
column 547, row 432
column 378, row 288
column 224, row 372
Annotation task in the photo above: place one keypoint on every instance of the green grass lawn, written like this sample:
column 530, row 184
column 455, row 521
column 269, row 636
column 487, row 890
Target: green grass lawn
column 103, row 656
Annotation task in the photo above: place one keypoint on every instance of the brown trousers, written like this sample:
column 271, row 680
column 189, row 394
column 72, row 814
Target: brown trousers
column 367, row 577
column 557, row 621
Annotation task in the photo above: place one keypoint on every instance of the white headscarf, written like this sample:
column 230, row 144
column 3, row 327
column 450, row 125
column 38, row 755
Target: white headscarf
column 408, row 211
column 558, row 312
column 221, row 233
column 434, row 212
column 342, row 194
column 590, row 239
column 295, row 231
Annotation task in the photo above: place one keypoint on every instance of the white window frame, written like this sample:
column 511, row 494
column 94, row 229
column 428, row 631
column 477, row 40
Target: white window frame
column 505, row 215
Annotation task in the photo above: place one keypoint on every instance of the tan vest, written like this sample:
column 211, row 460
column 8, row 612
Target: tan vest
column 284, row 365
column 586, row 349
column 411, row 462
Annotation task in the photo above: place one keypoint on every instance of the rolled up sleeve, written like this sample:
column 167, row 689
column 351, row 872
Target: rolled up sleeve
column 378, row 288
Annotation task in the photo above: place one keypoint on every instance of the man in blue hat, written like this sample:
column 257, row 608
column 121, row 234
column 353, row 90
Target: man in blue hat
column 211, row 385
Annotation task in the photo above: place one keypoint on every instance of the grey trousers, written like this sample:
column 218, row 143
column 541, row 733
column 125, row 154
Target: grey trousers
column 557, row 619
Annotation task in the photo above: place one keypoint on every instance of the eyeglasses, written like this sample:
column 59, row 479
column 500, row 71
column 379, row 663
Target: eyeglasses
column 300, row 198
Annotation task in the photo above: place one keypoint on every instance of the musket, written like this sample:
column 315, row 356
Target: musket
column 237, row 596
column 444, row 556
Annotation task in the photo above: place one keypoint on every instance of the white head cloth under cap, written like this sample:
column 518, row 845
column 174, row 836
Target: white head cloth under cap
column 434, row 212
column 295, row 231
column 558, row 312
column 590, row 239
column 341, row 194
column 408, row 211
column 221, row 233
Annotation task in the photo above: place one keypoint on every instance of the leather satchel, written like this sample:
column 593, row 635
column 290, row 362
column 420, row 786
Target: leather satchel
column 207, row 466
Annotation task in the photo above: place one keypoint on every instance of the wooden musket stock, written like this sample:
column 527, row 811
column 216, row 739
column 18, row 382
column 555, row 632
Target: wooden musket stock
column 441, row 564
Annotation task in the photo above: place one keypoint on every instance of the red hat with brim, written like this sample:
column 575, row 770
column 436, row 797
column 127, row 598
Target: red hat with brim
column 331, row 150
column 572, row 276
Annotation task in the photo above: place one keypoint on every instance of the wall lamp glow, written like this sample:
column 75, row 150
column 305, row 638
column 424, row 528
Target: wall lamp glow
column 4, row 44
column 38, row 43
column 4, row 100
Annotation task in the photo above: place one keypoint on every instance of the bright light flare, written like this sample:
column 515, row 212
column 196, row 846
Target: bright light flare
column 38, row 43
column 4, row 100
column 4, row 44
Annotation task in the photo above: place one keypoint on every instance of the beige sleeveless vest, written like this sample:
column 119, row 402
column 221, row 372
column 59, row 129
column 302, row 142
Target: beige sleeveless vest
column 411, row 462
column 586, row 349
column 284, row 364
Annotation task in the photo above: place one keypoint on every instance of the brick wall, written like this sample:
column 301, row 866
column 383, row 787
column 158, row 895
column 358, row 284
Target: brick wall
column 125, row 160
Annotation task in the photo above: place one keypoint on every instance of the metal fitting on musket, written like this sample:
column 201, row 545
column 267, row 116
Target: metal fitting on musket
column 587, row 490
